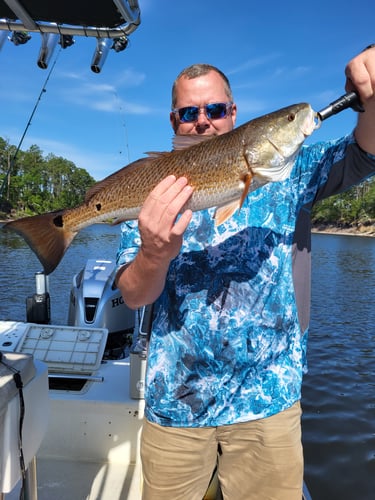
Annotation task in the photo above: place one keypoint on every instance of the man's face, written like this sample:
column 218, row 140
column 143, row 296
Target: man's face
column 198, row 92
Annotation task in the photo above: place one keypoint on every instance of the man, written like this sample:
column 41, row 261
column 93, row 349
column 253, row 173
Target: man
column 228, row 346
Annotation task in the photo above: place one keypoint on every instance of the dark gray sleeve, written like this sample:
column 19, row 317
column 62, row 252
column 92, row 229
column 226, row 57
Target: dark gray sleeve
column 355, row 167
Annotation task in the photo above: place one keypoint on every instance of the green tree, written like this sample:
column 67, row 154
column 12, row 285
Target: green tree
column 355, row 206
column 38, row 184
column 68, row 183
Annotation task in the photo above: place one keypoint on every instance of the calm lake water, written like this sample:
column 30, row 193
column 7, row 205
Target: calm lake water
column 339, row 390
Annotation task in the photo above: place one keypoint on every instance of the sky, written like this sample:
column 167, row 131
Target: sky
column 274, row 53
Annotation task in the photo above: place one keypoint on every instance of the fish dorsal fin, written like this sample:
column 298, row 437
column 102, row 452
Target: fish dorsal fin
column 185, row 141
column 157, row 154
column 226, row 211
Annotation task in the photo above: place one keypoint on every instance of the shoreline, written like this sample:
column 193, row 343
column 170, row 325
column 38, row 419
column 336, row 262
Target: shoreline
column 360, row 230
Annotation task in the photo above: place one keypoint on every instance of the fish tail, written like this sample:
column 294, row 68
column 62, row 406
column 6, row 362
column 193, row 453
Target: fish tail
column 46, row 236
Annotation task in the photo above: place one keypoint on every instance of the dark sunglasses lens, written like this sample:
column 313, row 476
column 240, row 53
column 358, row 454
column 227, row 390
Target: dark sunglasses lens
column 216, row 110
column 188, row 114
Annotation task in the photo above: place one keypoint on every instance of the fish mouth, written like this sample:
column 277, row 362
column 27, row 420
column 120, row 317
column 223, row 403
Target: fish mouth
column 317, row 120
column 312, row 122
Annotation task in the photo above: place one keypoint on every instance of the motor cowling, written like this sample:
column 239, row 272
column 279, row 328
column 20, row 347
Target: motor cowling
column 95, row 301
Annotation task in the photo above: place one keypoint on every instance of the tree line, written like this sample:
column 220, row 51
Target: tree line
column 354, row 207
column 31, row 183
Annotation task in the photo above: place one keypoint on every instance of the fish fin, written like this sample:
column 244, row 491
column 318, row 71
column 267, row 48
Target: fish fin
column 156, row 154
column 46, row 236
column 247, row 180
column 225, row 212
column 185, row 141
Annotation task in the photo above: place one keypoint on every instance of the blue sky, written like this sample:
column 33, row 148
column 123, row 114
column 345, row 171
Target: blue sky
column 275, row 54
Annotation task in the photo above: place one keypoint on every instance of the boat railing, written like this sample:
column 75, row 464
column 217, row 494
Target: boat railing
column 110, row 23
column 119, row 17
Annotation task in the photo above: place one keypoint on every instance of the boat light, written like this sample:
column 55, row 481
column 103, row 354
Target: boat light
column 102, row 48
column 49, row 42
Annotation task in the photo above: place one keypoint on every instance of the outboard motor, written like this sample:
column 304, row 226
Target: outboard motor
column 38, row 306
column 95, row 301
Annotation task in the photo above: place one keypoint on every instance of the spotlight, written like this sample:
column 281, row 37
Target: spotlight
column 66, row 41
column 120, row 44
column 49, row 41
column 20, row 37
column 102, row 48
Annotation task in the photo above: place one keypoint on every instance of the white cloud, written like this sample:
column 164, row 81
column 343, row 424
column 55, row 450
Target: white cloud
column 253, row 63
column 104, row 96
column 130, row 78
column 114, row 105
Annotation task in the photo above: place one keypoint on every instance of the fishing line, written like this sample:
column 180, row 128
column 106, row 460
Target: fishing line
column 43, row 90
column 122, row 111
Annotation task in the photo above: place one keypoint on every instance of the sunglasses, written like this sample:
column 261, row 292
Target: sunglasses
column 213, row 111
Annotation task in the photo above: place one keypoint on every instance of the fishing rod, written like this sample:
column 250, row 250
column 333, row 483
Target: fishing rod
column 12, row 161
column 348, row 100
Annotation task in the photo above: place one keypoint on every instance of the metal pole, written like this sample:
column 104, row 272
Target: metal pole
column 31, row 490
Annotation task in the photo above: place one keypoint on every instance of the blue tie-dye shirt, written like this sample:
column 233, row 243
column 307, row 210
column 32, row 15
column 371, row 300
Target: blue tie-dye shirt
column 229, row 335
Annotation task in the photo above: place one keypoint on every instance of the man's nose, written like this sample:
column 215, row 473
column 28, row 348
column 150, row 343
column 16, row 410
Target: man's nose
column 202, row 117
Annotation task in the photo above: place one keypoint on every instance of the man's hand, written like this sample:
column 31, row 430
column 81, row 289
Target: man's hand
column 160, row 231
column 360, row 76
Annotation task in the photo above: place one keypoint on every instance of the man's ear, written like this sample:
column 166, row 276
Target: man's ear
column 234, row 114
column 173, row 120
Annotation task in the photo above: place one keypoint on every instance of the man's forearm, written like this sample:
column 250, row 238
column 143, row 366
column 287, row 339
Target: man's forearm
column 142, row 281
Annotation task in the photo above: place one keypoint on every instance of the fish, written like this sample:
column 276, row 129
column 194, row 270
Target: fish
column 222, row 170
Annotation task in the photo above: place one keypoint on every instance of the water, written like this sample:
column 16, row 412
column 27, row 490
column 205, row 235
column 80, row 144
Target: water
column 19, row 265
column 339, row 390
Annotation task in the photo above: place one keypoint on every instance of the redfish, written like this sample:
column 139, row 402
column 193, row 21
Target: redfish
column 222, row 170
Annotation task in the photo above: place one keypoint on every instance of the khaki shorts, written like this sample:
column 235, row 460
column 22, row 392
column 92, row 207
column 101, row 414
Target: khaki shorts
column 256, row 460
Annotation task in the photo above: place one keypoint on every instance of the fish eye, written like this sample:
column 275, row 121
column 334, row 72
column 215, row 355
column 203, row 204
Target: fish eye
column 291, row 117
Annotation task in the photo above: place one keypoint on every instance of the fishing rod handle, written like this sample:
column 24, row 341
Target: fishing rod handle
column 349, row 100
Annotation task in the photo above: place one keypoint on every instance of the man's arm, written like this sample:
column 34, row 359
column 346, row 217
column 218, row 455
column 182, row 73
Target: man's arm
column 360, row 74
column 142, row 281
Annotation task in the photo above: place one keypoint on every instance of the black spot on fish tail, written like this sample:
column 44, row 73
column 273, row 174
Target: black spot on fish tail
column 58, row 221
